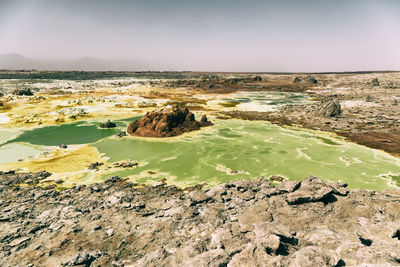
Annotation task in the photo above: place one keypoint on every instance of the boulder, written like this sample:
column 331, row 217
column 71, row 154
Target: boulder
column 330, row 109
column 306, row 80
column 121, row 134
column 21, row 92
column 375, row 82
column 83, row 258
column 312, row 189
column 310, row 79
column 315, row 256
column 95, row 165
column 108, row 124
column 166, row 123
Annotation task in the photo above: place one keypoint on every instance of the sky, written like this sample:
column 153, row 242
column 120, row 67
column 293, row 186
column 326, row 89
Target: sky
column 209, row 35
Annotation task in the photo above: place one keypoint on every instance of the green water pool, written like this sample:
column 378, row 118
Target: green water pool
column 229, row 150
column 80, row 132
column 235, row 149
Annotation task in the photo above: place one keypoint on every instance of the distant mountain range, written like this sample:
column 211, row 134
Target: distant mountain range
column 18, row 62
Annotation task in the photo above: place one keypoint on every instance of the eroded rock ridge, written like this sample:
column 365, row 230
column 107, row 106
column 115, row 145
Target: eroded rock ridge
column 166, row 123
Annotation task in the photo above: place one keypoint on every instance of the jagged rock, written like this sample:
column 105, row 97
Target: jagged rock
column 146, row 225
column 289, row 186
column 166, row 123
column 21, row 92
column 121, row 134
column 311, row 189
column 204, row 121
column 108, row 124
column 125, row 164
column 315, row 256
column 375, row 82
column 277, row 178
column 271, row 243
column 19, row 241
column 330, row 109
column 12, row 177
column 198, row 196
column 64, row 146
column 308, row 79
column 95, row 165
column 83, row 258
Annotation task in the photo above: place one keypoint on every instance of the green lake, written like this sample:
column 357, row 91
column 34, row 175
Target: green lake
column 235, row 149
column 229, row 150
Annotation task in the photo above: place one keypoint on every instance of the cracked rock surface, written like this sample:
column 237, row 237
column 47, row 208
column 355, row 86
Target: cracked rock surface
column 241, row 223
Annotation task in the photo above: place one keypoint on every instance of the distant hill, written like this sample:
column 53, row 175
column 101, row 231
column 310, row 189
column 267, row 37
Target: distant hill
column 18, row 62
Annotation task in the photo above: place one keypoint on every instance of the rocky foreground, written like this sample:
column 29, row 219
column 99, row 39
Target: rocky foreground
column 243, row 223
column 166, row 123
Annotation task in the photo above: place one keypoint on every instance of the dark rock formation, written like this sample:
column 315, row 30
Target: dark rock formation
column 108, row 124
column 240, row 223
column 121, row 134
column 125, row 164
column 21, row 92
column 64, row 146
column 11, row 177
column 257, row 78
column 95, row 165
column 308, row 79
column 375, row 82
column 165, row 123
column 330, row 108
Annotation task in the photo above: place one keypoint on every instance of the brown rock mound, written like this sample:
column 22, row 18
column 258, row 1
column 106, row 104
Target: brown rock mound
column 165, row 123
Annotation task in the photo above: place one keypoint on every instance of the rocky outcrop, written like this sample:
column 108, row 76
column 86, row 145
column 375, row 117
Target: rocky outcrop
column 307, row 80
column 165, row 123
column 375, row 82
column 121, row 134
column 95, row 165
column 108, row 124
column 240, row 223
column 22, row 92
column 12, row 178
column 63, row 146
column 329, row 109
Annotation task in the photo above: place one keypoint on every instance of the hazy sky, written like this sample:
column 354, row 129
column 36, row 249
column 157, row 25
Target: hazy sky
column 224, row 35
